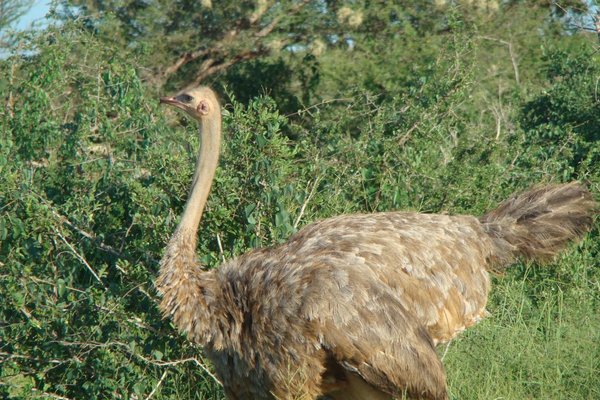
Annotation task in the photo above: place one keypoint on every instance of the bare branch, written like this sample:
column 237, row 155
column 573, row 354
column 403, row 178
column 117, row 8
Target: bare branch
column 181, row 61
column 446, row 350
column 220, row 247
column 513, row 60
column 202, row 366
column 10, row 100
column 216, row 57
column 79, row 256
column 41, row 393
column 511, row 53
column 308, row 198
column 127, row 349
column 204, row 73
column 324, row 102
column 269, row 28
column 258, row 12
column 90, row 235
column 157, row 385
column 7, row 356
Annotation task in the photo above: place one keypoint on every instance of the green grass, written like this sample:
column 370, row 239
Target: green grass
column 542, row 341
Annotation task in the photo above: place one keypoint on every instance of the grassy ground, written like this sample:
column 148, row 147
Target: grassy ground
column 542, row 341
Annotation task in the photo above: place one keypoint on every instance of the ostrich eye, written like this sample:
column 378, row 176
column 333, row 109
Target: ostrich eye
column 184, row 98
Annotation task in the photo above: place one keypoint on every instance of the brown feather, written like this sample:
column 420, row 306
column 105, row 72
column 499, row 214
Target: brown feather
column 352, row 306
column 537, row 224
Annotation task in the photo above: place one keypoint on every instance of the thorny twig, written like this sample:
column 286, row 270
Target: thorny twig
column 79, row 256
column 90, row 235
column 157, row 385
column 221, row 253
column 324, row 102
column 511, row 53
column 127, row 348
column 303, row 208
column 41, row 393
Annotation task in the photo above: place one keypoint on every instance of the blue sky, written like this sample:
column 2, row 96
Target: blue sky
column 35, row 15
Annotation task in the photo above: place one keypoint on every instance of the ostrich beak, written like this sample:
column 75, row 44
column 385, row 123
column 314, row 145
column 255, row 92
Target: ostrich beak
column 172, row 101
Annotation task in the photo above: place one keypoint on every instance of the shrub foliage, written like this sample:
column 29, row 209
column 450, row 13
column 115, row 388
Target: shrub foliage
column 93, row 176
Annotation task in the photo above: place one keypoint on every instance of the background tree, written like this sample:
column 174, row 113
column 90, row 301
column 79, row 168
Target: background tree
column 11, row 11
column 188, row 42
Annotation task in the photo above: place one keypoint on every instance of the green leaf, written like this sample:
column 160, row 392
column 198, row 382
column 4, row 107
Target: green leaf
column 3, row 229
column 61, row 287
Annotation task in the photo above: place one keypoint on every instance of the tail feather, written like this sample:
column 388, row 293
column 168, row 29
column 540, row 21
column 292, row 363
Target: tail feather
column 537, row 224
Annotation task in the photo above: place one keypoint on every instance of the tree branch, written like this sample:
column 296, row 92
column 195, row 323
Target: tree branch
column 91, row 236
column 213, row 69
column 93, row 345
column 184, row 59
column 511, row 53
column 80, row 257
column 218, row 51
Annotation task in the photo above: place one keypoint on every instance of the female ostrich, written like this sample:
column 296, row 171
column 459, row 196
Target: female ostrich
column 350, row 307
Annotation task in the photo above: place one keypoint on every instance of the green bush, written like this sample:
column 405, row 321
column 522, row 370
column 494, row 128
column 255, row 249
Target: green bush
column 93, row 176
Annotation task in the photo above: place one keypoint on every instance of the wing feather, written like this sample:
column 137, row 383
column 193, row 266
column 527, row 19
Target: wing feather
column 369, row 332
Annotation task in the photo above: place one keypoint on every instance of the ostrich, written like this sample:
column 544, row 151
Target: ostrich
column 350, row 307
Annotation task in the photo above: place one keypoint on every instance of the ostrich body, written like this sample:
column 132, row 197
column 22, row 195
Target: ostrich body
column 350, row 307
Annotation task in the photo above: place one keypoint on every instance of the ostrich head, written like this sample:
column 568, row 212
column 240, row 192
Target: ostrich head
column 200, row 103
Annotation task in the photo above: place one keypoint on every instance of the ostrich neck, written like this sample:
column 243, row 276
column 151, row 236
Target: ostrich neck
column 206, row 165
column 187, row 290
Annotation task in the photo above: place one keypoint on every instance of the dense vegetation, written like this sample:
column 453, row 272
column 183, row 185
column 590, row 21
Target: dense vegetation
column 330, row 107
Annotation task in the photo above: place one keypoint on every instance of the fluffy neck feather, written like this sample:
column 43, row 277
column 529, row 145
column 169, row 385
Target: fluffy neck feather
column 186, row 290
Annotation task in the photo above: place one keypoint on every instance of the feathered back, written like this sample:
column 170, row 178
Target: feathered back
column 538, row 223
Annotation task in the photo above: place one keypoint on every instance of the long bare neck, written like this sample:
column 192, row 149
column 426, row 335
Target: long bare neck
column 186, row 290
column 206, row 165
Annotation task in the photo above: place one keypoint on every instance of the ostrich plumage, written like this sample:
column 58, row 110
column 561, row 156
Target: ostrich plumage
column 350, row 307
